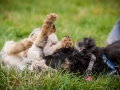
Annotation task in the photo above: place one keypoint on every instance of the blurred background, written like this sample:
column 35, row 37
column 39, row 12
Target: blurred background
column 76, row 18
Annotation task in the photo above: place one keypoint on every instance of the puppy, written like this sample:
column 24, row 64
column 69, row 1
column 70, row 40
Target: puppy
column 30, row 51
column 78, row 58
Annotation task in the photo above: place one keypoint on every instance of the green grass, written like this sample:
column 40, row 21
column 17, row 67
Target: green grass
column 76, row 18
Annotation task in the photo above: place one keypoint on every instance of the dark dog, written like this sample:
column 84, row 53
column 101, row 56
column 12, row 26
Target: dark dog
column 77, row 59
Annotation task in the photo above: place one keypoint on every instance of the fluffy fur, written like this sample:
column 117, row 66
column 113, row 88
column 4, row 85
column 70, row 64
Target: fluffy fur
column 30, row 51
column 77, row 59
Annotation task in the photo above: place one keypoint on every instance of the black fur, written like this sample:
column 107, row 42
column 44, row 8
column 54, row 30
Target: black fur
column 79, row 57
column 58, row 57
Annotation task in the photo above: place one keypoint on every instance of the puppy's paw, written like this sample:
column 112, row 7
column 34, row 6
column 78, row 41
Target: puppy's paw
column 66, row 42
column 50, row 18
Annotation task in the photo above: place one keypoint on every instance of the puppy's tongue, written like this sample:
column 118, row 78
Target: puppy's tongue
column 88, row 78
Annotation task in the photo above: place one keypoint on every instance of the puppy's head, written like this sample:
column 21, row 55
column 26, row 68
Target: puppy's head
column 60, row 58
column 85, row 43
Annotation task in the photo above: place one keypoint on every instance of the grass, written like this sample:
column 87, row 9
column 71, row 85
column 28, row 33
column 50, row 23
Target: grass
column 76, row 18
column 10, row 79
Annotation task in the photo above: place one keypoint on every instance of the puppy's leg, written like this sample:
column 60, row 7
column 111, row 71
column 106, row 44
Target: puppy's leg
column 64, row 43
column 47, row 29
column 12, row 47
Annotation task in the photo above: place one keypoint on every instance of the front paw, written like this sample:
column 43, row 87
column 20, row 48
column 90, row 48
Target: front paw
column 66, row 42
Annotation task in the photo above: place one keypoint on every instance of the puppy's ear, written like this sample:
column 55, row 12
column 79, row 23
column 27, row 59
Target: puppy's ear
column 91, row 43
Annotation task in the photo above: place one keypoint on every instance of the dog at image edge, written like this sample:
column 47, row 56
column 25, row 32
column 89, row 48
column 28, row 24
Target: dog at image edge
column 77, row 58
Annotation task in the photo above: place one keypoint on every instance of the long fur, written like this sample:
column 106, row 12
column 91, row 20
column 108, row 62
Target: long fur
column 77, row 58
column 29, row 52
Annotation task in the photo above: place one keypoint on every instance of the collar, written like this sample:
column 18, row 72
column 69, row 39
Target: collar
column 113, row 68
column 89, row 68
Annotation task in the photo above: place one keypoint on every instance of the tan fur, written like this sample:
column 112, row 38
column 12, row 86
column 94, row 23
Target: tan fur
column 47, row 29
column 66, row 42
column 19, row 54
column 18, row 47
column 29, row 52
column 66, row 65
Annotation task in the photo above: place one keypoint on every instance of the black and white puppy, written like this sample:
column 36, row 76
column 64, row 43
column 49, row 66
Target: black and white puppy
column 77, row 58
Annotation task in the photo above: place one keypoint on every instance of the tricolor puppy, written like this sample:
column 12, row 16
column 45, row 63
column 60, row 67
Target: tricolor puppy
column 86, row 57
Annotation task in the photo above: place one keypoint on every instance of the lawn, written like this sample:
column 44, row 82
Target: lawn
column 76, row 18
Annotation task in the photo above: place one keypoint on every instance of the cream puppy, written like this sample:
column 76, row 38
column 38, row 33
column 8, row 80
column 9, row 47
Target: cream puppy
column 28, row 53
